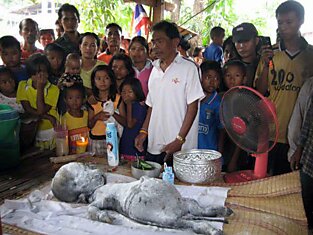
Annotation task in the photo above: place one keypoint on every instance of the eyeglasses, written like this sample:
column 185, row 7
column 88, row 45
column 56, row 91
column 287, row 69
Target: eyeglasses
column 210, row 78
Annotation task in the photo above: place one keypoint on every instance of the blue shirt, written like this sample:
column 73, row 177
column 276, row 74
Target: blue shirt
column 213, row 52
column 209, row 122
column 20, row 73
column 127, row 141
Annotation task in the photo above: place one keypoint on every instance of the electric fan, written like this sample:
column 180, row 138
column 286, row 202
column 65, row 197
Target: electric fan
column 250, row 120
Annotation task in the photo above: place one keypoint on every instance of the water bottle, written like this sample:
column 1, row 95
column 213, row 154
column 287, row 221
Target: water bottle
column 112, row 145
column 168, row 174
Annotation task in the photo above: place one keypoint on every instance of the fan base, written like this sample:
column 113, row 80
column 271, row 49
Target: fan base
column 240, row 176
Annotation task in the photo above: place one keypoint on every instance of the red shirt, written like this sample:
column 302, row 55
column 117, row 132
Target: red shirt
column 25, row 54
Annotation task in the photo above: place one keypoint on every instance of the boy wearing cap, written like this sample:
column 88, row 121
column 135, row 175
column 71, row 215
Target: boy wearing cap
column 282, row 73
column 245, row 38
column 214, row 51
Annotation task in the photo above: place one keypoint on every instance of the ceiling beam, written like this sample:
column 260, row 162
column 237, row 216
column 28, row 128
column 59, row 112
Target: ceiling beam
column 155, row 3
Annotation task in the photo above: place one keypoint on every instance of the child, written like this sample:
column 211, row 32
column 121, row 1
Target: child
column 198, row 55
column 8, row 89
column 29, row 123
column 72, row 71
column 55, row 55
column 46, row 36
column 69, row 78
column 10, row 51
column 133, row 97
column 29, row 31
column 39, row 98
column 104, row 89
column 210, row 135
column 75, row 118
column 122, row 67
column 214, row 51
column 234, row 75
column 229, row 50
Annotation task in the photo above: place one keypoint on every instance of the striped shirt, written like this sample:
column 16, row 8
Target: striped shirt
column 306, row 141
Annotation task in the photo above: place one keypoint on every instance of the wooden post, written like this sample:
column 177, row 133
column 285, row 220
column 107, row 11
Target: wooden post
column 159, row 6
column 158, row 11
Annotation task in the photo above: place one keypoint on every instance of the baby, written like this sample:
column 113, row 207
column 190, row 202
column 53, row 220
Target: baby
column 72, row 71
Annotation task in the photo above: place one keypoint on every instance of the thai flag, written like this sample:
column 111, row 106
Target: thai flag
column 141, row 21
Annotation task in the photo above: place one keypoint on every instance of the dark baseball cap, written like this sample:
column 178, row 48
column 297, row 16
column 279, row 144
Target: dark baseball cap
column 244, row 32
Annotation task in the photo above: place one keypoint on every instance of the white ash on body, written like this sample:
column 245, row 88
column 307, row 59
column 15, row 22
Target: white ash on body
column 147, row 201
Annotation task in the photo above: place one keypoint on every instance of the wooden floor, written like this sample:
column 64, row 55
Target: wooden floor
column 34, row 169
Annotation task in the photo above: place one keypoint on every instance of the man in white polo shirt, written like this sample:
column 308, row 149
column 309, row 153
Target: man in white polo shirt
column 174, row 91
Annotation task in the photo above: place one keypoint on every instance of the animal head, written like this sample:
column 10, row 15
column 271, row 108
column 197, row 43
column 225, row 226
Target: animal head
column 76, row 182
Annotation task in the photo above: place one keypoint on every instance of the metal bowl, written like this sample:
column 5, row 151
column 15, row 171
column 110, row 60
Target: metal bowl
column 153, row 173
column 197, row 166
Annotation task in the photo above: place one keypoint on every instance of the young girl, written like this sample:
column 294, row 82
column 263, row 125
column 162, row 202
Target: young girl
column 55, row 55
column 104, row 89
column 39, row 98
column 8, row 89
column 122, row 67
column 133, row 97
column 75, row 119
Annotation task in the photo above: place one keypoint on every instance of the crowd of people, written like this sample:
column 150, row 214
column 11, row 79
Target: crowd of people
column 162, row 97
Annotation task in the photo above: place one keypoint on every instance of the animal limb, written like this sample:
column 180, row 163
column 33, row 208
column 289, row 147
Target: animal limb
column 191, row 206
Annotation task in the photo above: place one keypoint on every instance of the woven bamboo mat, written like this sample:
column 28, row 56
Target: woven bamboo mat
column 288, row 206
column 253, row 222
column 10, row 229
column 267, row 187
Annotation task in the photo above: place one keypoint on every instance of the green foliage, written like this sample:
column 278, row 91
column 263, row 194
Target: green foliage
column 222, row 13
column 218, row 13
column 96, row 14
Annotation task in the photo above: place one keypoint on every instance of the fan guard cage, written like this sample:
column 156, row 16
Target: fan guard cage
column 249, row 119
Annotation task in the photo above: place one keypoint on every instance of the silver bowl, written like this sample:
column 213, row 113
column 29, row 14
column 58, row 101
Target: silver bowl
column 153, row 173
column 197, row 166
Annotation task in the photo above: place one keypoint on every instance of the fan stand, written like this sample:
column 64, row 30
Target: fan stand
column 259, row 171
column 260, row 166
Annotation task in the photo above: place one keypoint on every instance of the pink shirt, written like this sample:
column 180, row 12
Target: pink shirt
column 144, row 75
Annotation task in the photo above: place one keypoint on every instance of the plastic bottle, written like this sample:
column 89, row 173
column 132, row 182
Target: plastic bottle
column 112, row 144
column 61, row 140
column 168, row 174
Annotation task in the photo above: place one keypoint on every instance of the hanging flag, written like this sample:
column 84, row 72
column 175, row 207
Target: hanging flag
column 141, row 21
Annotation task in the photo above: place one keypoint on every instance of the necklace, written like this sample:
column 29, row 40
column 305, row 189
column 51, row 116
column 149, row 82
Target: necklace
column 213, row 98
